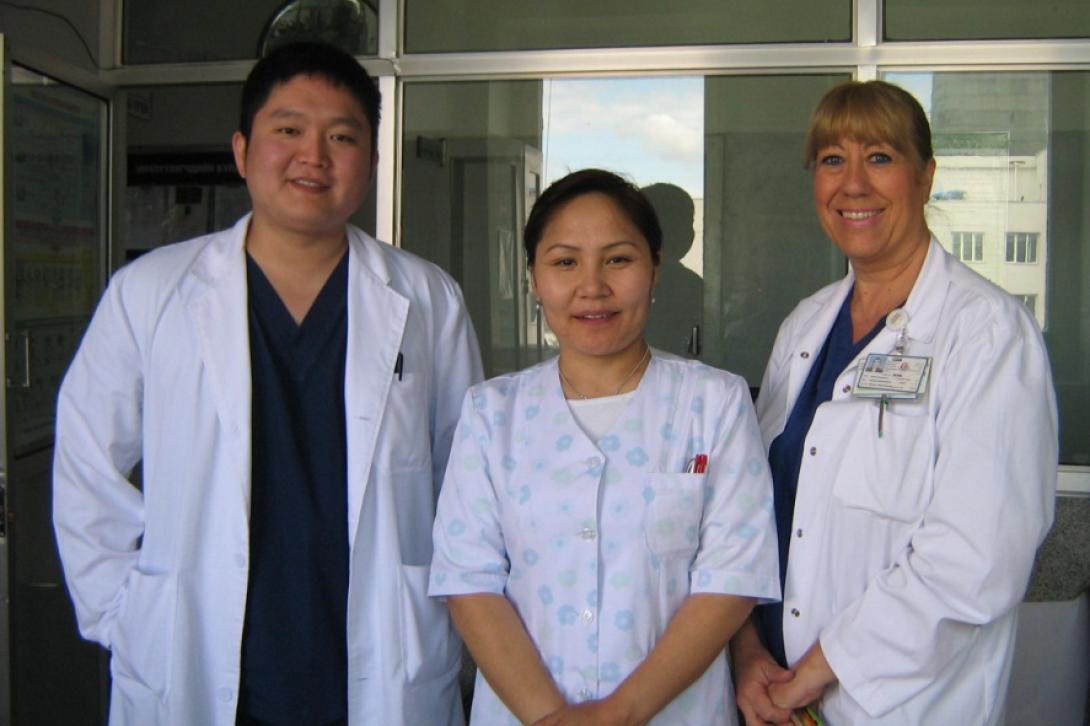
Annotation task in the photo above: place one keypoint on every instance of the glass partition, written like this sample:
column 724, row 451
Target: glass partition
column 764, row 248
column 164, row 31
column 439, row 26
column 57, row 240
column 990, row 19
column 719, row 157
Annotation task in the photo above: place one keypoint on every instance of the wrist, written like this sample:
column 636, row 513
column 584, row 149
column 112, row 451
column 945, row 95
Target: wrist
column 815, row 668
column 745, row 646
column 624, row 707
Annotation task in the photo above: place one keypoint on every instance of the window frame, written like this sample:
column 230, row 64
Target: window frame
column 867, row 56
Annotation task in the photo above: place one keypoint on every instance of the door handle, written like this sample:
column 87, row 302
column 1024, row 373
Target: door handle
column 696, row 345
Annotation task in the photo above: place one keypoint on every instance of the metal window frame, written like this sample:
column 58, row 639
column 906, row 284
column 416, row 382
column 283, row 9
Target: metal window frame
column 866, row 57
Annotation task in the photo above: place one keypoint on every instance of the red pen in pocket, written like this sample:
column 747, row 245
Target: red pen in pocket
column 697, row 465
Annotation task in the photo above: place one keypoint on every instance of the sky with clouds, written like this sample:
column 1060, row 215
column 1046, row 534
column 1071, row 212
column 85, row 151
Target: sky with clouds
column 649, row 129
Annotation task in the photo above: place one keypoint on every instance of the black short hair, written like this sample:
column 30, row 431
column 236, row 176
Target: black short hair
column 626, row 195
column 308, row 59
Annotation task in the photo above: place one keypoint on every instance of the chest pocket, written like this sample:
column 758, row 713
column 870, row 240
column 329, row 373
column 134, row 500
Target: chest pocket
column 888, row 476
column 405, row 421
column 676, row 505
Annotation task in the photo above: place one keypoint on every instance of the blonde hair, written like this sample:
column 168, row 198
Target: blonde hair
column 869, row 112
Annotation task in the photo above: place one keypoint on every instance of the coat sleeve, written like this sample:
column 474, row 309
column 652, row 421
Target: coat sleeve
column 968, row 563
column 97, row 513
column 457, row 366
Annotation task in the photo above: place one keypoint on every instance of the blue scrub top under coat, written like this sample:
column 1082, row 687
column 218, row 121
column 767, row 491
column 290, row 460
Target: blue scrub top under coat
column 294, row 650
column 785, row 453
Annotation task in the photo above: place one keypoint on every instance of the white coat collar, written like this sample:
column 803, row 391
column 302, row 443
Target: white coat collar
column 215, row 294
column 377, row 316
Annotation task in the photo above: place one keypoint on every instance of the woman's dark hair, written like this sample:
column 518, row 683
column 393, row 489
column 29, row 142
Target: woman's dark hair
column 626, row 195
column 308, row 59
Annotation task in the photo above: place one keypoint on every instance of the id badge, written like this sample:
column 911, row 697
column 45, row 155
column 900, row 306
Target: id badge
column 893, row 377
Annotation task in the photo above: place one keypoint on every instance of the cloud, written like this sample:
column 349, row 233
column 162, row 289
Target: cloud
column 660, row 117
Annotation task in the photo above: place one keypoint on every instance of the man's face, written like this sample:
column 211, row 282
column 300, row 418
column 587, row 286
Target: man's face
column 308, row 161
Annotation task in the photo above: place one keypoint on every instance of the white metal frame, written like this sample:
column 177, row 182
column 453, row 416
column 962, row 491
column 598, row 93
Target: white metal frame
column 865, row 57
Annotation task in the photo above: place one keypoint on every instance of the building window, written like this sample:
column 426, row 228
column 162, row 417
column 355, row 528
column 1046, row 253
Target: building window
column 1022, row 247
column 1030, row 301
column 968, row 246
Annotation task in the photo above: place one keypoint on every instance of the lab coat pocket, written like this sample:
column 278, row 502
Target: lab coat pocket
column 431, row 647
column 888, row 476
column 142, row 640
column 405, row 423
column 675, row 504
column 414, row 502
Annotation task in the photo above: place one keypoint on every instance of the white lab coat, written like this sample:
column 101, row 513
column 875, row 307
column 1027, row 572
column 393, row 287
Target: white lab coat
column 910, row 553
column 160, row 576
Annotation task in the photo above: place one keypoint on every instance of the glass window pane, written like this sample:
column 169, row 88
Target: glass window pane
column 471, row 168
column 164, row 31
column 57, row 204
column 437, row 26
column 1013, row 153
column 720, row 158
column 763, row 246
column 985, row 19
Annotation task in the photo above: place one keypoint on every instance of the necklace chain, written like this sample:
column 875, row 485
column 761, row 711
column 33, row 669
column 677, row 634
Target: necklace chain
column 576, row 391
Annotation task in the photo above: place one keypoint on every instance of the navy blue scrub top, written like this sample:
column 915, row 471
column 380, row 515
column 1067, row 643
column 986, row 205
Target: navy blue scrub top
column 294, row 650
column 785, row 454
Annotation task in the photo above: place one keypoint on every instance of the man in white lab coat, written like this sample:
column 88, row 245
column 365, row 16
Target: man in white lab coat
column 290, row 386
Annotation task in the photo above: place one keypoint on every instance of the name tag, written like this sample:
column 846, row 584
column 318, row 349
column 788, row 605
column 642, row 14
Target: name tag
column 893, row 377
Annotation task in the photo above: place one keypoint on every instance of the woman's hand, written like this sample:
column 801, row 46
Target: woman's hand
column 755, row 672
column 812, row 676
column 755, row 682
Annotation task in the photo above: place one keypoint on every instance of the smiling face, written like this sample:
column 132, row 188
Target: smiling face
column 594, row 275
column 870, row 200
column 308, row 161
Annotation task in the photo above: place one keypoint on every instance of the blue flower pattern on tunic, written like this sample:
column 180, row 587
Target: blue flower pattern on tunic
column 619, row 511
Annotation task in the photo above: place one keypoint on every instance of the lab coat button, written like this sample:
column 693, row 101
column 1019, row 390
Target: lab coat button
column 847, row 388
column 225, row 694
column 587, row 616
column 804, row 354
column 798, row 532
column 587, row 533
column 795, row 612
column 584, row 695
column 813, row 451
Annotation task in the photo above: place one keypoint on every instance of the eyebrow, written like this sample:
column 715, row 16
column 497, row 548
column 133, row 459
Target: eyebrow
column 290, row 113
column 611, row 245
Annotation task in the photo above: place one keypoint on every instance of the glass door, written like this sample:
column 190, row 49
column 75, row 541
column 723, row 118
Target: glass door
column 54, row 249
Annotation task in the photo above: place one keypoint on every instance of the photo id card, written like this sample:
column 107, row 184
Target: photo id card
column 893, row 377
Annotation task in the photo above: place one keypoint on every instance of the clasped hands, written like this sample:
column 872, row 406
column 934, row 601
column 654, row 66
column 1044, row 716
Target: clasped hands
column 768, row 694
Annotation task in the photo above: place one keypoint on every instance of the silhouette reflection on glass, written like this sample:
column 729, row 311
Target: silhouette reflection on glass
column 678, row 311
